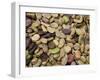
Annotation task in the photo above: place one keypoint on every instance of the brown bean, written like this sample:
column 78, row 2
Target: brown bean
column 44, row 56
column 70, row 58
column 66, row 31
column 28, row 22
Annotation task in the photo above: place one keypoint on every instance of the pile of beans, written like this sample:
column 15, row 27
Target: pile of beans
column 56, row 39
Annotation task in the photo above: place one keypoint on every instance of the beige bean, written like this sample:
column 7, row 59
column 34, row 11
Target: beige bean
column 47, row 15
column 35, row 24
column 38, row 63
column 38, row 15
column 44, row 40
column 64, row 60
column 83, row 59
column 56, row 42
column 34, row 61
column 79, row 20
column 67, row 49
column 61, row 43
column 44, row 28
column 77, row 54
column 35, row 37
column 54, row 25
column 51, row 30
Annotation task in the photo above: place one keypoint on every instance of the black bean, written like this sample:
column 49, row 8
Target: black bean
column 44, row 56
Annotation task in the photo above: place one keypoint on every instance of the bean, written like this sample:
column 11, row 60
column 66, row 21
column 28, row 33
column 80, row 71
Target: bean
column 44, row 56
column 28, row 22
column 54, row 51
column 70, row 58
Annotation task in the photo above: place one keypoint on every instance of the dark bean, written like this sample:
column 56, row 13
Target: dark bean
column 41, row 33
column 28, row 60
column 75, row 37
column 66, row 31
column 28, row 22
column 45, row 20
column 51, row 44
column 44, row 56
column 32, row 48
column 28, row 41
column 48, row 35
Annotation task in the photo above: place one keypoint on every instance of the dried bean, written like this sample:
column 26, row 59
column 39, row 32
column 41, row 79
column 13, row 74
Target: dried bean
column 54, row 51
column 70, row 58
column 28, row 22
column 44, row 56
column 35, row 37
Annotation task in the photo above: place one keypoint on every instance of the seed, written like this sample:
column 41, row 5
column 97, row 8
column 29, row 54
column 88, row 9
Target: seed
column 79, row 62
column 64, row 60
column 45, row 24
column 66, row 31
column 47, row 15
column 73, row 63
column 54, row 25
column 55, row 42
column 32, row 48
column 45, row 48
column 39, row 52
column 66, row 26
column 83, row 58
column 82, row 47
column 38, row 15
column 80, row 31
column 44, row 56
column 77, row 46
column 48, row 35
column 78, row 20
column 65, row 19
column 55, row 50
column 43, row 40
column 77, row 55
column 38, row 63
column 31, row 15
column 62, row 52
column 35, row 24
column 60, row 34
column 54, row 15
column 51, row 30
column 51, row 44
column 35, row 37
column 70, row 58
column 28, row 22
column 44, row 19
column 56, row 55
column 29, row 30
column 67, row 49
column 61, row 43
column 43, row 28
column 34, row 61
column 28, row 41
